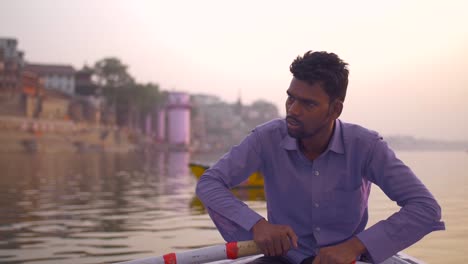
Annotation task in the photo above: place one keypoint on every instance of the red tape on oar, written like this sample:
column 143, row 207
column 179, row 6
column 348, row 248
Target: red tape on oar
column 170, row 258
column 232, row 250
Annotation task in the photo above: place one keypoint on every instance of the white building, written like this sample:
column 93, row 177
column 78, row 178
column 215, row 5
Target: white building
column 55, row 77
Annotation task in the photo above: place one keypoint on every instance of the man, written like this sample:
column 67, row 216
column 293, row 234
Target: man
column 318, row 172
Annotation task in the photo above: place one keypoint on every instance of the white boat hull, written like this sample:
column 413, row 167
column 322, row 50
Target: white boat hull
column 400, row 258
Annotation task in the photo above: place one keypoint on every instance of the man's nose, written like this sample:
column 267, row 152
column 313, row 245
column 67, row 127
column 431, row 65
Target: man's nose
column 295, row 108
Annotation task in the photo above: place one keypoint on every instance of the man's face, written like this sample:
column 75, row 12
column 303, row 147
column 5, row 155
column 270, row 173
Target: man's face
column 308, row 109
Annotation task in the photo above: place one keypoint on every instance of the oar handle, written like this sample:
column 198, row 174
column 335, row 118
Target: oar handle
column 241, row 249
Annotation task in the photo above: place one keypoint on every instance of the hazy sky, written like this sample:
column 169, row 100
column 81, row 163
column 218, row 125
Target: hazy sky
column 408, row 59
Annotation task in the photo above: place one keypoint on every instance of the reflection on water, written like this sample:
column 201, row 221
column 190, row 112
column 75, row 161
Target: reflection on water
column 103, row 208
column 72, row 208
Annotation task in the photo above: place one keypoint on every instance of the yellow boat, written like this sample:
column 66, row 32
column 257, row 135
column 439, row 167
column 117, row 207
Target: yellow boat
column 255, row 179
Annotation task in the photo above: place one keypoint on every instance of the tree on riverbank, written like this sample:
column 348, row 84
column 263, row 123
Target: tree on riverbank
column 130, row 101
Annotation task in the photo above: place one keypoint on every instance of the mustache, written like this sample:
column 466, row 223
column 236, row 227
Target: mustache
column 292, row 118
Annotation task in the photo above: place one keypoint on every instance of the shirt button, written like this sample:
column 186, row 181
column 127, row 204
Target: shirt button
column 317, row 173
column 316, row 205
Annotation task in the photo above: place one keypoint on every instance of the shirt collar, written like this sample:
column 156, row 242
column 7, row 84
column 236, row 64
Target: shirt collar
column 335, row 145
column 289, row 143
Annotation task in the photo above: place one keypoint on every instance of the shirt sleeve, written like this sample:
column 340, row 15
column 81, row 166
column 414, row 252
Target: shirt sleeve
column 232, row 217
column 419, row 215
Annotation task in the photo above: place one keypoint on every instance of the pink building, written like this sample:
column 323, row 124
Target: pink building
column 178, row 118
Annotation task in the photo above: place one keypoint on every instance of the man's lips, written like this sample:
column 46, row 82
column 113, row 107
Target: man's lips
column 293, row 121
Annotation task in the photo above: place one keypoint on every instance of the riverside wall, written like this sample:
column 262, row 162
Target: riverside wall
column 19, row 134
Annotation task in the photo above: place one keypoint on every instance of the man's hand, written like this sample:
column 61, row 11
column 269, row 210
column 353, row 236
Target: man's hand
column 273, row 240
column 344, row 253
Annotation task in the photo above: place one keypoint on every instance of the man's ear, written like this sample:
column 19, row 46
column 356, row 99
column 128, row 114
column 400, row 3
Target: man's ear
column 336, row 108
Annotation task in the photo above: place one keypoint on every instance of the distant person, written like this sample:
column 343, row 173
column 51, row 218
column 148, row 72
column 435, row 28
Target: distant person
column 318, row 172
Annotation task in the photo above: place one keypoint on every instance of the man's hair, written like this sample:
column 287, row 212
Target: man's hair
column 325, row 68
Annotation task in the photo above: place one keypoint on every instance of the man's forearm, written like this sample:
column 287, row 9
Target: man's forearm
column 357, row 246
column 215, row 195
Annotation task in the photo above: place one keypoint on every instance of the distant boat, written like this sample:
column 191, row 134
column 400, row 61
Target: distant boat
column 255, row 179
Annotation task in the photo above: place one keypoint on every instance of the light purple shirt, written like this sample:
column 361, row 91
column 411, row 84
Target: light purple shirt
column 325, row 200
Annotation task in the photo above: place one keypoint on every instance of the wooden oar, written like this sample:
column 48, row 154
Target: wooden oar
column 231, row 250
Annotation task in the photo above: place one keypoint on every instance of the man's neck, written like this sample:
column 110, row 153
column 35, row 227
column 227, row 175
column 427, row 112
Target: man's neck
column 313, row 146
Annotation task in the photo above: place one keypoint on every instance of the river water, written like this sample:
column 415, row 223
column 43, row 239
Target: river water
column 105, row 208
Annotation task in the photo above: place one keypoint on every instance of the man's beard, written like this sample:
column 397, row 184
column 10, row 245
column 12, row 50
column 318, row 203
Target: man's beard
column 297, row 133
column 300, row 131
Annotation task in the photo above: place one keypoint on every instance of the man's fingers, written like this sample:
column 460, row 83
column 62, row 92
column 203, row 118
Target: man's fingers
column 270, row 249
column 285, row 245
column 274, row 240
column 275, row 247
column 264, row 248
column 292, row 236
column 278, row 250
